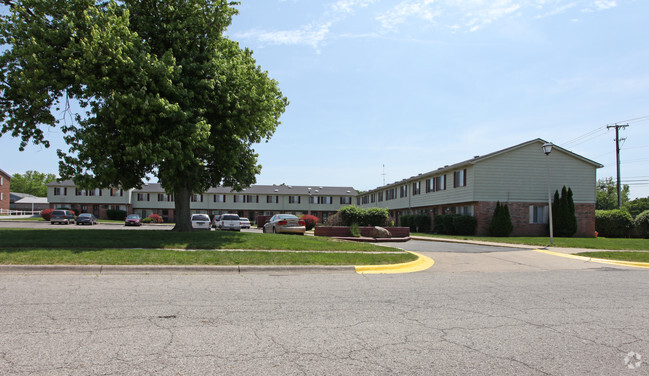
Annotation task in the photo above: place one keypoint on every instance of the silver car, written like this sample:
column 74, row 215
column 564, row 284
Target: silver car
column 230, row 222
column 201, row 222
column 285, row 223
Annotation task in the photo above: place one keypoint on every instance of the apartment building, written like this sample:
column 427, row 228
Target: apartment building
column 517, row 176
column 5, row 190
column 256, row 200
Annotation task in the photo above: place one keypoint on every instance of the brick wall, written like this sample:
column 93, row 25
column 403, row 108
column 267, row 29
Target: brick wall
column 343, row 231
column 5, row 190
column 520, row 214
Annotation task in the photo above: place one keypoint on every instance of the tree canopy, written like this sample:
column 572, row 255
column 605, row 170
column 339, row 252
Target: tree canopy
column 31, row 182
column 607, row 194
column 163, row 92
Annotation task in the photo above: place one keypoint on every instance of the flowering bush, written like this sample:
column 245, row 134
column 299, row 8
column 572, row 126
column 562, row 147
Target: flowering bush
column 156, row 218
column 46, row 214
column 310, row 221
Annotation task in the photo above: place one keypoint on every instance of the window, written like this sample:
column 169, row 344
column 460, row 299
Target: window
column 252, row 198
column 271, row 199
column 57, row 191
column 390, row 194
column 459, row 178
column 380, row 196
column 78, row 192
column 464, row 210
column 365, row 199
column 2, row 180
column 327, row 200
column 440, row 183
column 373, row 198
column 403, row 191
column 143, row 197
column 293, row 199
column 219, row 198
column 358, row 200
column 239, row 198
column 346, row 200
column 538, row 214
column 196, row 198
column 90, row 192
column 416, row 188
column 2, row 196
column 161, row 196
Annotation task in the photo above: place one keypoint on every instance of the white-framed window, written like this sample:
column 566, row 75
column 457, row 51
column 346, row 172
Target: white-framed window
column 2, row 196
column 2, row 180
column 403, row 191
column 239, row 198
column 272, row 199
column 538, row 214
column 57, row 191
column 293, row 199
column 196, row 198
column 459, row 178
column 464, row 210
column 416, row 188
column 219, row 198
column 440, row 183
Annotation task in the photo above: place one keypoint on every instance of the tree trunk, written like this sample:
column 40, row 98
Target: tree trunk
column 183, row 213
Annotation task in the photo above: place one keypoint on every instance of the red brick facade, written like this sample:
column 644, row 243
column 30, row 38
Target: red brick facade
column 520, row 215
column 4, row 191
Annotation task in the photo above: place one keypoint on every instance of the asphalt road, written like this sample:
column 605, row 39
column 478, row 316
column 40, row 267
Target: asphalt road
column 486, row 311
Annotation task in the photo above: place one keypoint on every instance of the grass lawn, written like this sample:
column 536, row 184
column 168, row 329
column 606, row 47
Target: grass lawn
column 40, row 219
column 129, row 247
column 588, row 243
column 205, row 257
column 621, row 256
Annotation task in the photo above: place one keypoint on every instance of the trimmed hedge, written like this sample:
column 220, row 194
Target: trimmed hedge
column 416, row 222
column 641, row 224
column 454, row 224
column 363, row 217
column 117, row 215
column 613, row 223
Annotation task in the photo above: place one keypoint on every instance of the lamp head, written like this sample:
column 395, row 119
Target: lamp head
column 547, row 148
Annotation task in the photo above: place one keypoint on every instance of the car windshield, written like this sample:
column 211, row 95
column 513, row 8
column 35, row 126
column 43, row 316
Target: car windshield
column 200, row 217
column 85, row 215
column 286, row 216
column 244, row 219
column 58, row 212
column 133, row 216
column 230, row 217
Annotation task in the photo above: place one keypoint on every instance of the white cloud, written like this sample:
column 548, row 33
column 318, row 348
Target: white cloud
column 605, row 4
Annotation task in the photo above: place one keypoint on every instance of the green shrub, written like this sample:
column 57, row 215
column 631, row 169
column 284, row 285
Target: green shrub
column 117, row 215
column 416, row 222
column 147, row 220
column 443, row 224
column 375, row 216
column 363, row 217
column 501, row 222
column 356, row 232
column 641, row 224
column 613, row 223
column 334, row 220
column 564, row 220
column 464, row 225
column 350, row 214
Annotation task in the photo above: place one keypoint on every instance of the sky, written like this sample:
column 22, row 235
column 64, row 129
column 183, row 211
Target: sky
column 383, row 90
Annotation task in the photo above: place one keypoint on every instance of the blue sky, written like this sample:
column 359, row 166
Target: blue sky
column 418, row 84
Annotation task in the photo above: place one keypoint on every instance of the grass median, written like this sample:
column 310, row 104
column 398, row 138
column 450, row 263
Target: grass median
column 588, row 243
column 619, row 256
column 128, row 247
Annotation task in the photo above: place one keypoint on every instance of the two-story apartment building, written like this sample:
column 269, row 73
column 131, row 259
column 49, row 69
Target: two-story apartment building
column 5, row 190
column 517, row 176
column 256, row 200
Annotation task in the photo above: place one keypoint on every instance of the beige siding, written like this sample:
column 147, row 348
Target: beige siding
column 72, row 198
column 521, row 175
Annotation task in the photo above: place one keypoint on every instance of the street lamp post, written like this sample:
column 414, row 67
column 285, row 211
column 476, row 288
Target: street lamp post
column 547, row 149
column 309, row 210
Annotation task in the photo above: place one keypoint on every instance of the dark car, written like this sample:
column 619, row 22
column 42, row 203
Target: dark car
column 133, row 220
column 62, row 216
column 86, row 218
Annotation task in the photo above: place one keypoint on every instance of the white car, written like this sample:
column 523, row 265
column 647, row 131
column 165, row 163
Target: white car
column 201, row 222
column 245, row 222
column 230, row 222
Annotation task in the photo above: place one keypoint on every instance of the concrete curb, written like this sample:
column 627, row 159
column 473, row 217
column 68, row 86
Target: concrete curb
column 597, row 260
column 422, row 263
column 103, row 269
column 474, row 242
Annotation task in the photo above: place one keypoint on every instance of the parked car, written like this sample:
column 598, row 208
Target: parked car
column 285, row 223
column 133, row 220
column 201, row 222
column 86, row 218
column 230, row 222
column 62, row 216
column 216, row 220
column 245, row 222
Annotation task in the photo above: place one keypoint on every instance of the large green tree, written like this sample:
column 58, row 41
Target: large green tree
column 163, row 92
column 607, row 194
column 31, row 182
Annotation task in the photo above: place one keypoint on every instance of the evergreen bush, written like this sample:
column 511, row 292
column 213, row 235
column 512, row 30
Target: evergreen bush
column 356, row 232
column 464, row 225
column 501, row 222
column 564, row 220
column 416, row 222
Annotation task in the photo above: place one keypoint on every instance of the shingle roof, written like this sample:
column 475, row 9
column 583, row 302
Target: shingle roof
column 5, row 173
column 269, row 190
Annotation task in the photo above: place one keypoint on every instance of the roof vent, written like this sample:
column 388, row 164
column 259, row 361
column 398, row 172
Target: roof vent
column 476, row 156
column 276, row 190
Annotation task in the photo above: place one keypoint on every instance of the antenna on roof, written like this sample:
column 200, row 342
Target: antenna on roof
column 383, row 174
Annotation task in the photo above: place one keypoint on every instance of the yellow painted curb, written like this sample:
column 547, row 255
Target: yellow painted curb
column 422, row 263
column 598, row 260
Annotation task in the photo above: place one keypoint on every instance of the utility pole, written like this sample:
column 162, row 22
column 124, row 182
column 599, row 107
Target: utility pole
column 383, row 174
column 617, row 156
